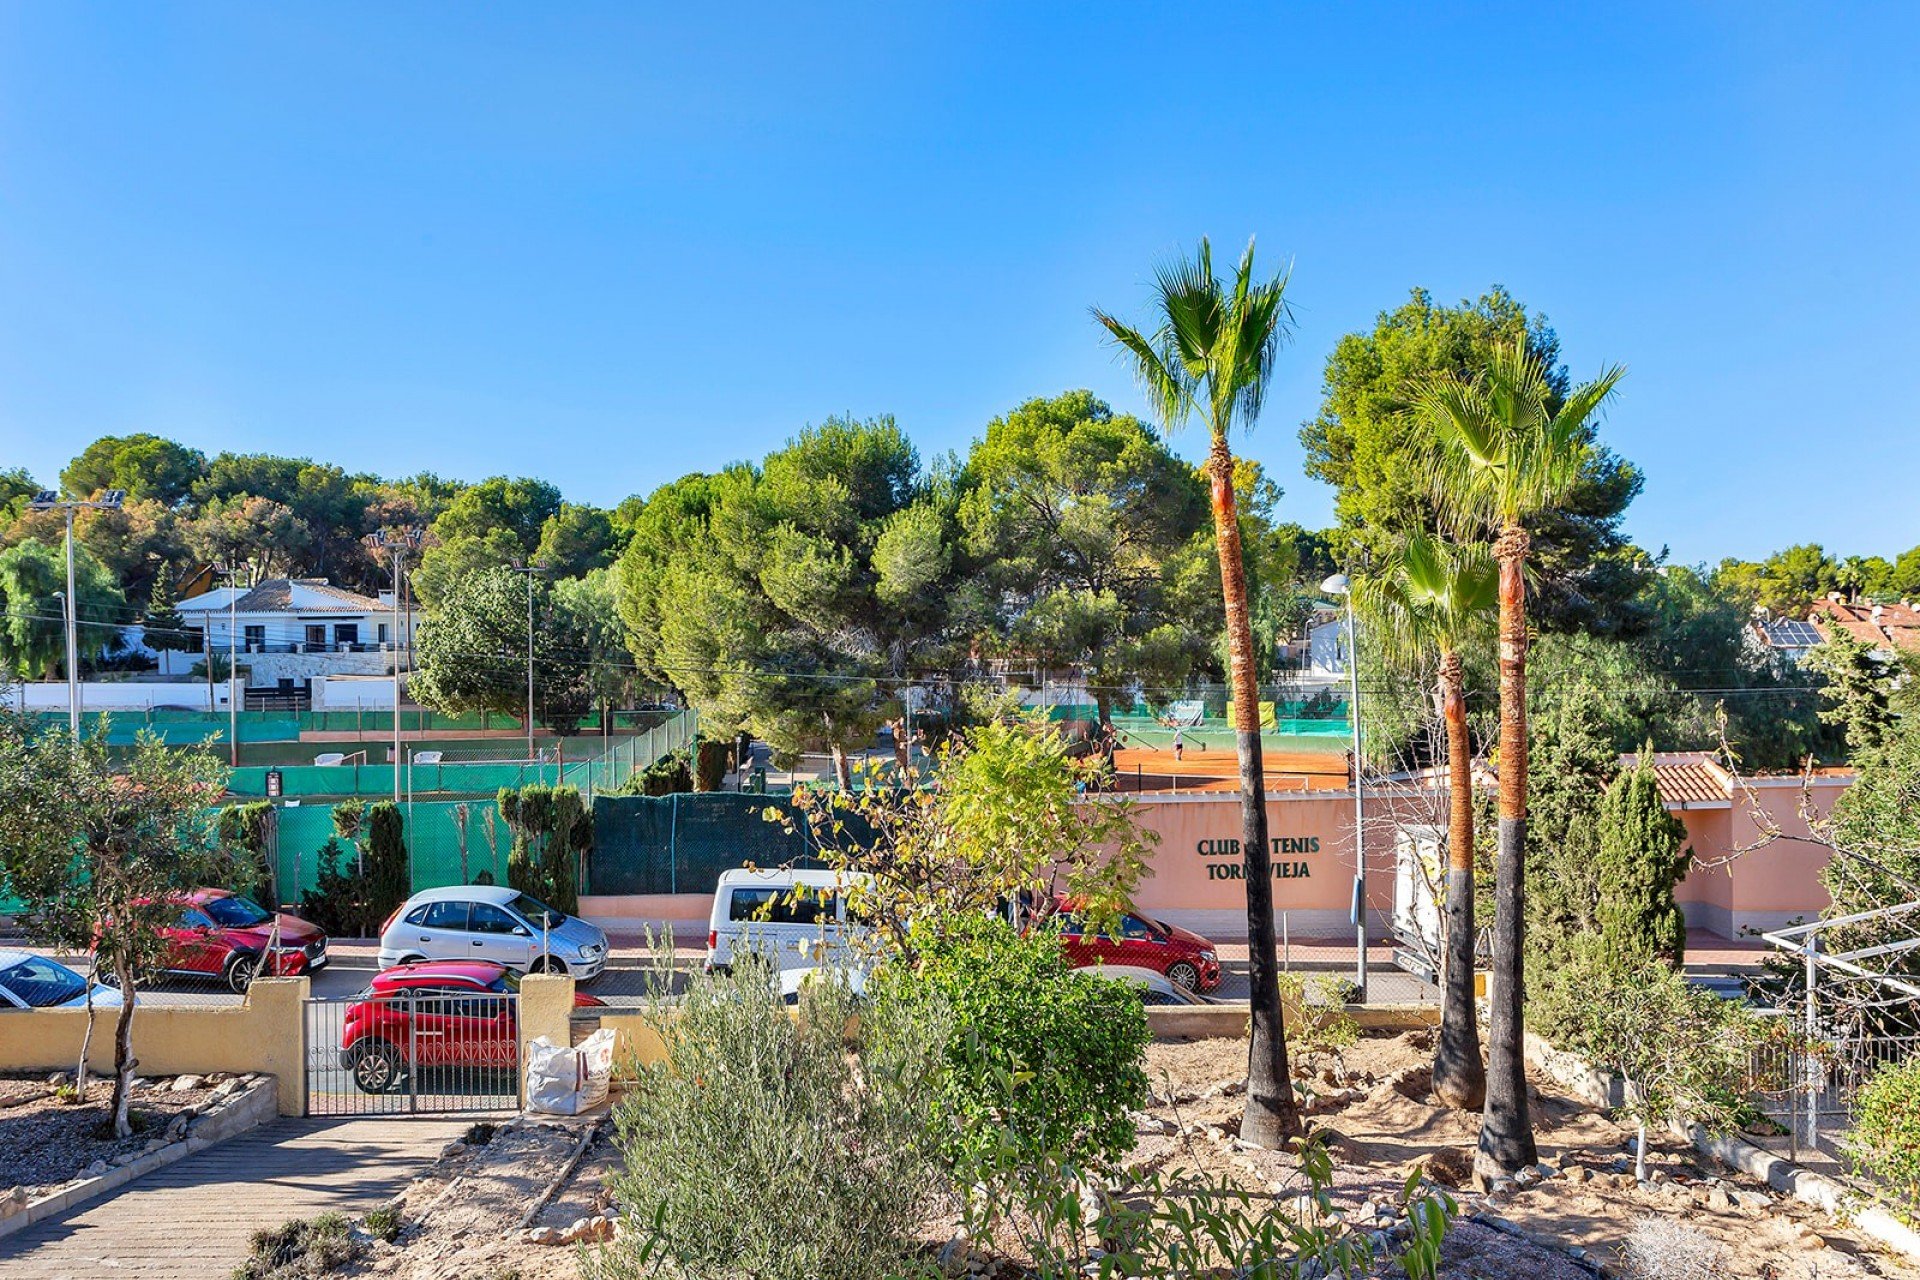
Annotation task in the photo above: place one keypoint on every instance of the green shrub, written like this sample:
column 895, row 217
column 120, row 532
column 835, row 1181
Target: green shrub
column 709, row 765
column 300, row 1250
column 778, row 1145
column 1050, row 1054
column 384, row 1223
column 1885, row 1144
column 338, row 902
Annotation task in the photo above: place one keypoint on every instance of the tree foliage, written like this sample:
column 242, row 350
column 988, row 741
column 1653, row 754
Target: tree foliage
column 1642, row 859
column 98, row 847
column 471, row 654
column 33, row 635
column 1369, row 442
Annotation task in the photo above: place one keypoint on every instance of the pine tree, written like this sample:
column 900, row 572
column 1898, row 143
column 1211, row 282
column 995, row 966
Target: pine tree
column 165, row 629
column 1641, row 859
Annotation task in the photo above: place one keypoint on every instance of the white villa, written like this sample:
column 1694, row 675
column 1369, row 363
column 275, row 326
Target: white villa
column 284, row 631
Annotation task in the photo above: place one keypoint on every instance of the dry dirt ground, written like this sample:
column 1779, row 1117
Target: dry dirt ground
column 1380, row 1121
column 45, row 1141
column 463, row 1219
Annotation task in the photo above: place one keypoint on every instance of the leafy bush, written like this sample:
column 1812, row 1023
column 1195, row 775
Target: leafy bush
column 1885, row 1144
column 1681, row 1052
column 776, row 1145
column 300, row 1250
column 384, row 1223
column 338, row 902
column 669, row 774
column 1322, row 1026
column 709, row 765
column 1188, row 1226
column 1071, row 1045
column 552, row 828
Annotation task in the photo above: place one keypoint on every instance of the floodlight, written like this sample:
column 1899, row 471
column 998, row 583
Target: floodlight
column 45, row 500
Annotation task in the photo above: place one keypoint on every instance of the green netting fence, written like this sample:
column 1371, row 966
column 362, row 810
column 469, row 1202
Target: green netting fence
column 589, row 763
column 180, row 726
column 681, row 843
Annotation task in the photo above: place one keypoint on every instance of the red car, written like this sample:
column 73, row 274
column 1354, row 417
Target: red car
column 431, row 1014
column 226, row 936
column 1187, row 959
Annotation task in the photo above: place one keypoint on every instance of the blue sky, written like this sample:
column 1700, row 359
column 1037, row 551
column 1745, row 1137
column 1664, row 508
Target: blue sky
column 609, row 244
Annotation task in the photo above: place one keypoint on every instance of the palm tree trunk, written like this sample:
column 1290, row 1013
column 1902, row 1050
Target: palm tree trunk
column 1506, row 1129
column 1459, row 1079
column 1271, row 1116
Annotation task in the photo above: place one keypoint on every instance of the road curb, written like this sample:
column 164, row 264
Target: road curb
column 247, row 1109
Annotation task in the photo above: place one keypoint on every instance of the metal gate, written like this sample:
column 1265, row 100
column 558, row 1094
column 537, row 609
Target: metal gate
column 413, row 1052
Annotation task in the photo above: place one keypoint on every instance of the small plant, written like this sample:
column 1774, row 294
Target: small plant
column 1318, row 1023
column 300, row 1250
column 67, row 1094
column 1885, row 1143
column 1073, row 1223
column 385, row 1223
column 1662, row 1249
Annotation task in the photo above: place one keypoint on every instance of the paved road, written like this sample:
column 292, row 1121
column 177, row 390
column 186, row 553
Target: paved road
column 194, row 1219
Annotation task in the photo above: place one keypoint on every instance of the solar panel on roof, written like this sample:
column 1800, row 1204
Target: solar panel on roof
column 1792, row 632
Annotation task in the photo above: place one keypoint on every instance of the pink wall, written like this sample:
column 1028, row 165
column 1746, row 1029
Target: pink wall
column 1195, row 867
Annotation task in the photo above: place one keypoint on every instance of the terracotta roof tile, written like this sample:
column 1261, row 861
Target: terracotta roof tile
column 1884, row 626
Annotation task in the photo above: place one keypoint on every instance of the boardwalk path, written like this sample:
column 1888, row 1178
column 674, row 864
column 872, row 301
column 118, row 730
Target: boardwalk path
column 192, row 1220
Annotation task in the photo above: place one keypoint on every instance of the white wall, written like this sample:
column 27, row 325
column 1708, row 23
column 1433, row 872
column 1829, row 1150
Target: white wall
column 334, row 694
column 116, row 695
column 1327, row 645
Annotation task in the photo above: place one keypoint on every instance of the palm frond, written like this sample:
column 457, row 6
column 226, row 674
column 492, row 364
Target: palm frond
column 1431, row 596
column 1165, row 385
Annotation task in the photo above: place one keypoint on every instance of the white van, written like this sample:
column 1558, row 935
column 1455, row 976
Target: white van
column 797, row 919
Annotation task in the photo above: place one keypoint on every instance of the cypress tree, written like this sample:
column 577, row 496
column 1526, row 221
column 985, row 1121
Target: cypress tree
column 1641, row 859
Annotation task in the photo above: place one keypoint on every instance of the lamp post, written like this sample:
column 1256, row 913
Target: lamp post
column 1341, row 585
column 530, row 570
column 396, row 543
column 50, row 500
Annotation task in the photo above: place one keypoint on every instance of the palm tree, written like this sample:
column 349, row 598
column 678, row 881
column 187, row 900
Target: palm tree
column 1212, row 353
column 1508, row 453
column 1437, row 597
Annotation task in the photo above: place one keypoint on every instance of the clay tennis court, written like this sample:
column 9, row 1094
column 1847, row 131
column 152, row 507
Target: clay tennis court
column 1217, row 768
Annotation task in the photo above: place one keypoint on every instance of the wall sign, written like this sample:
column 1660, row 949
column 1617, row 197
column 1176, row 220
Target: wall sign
column 1286, row 864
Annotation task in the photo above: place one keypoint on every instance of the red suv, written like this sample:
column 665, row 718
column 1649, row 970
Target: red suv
column 226, row 936
column 435, row 1014
column 1187, row 959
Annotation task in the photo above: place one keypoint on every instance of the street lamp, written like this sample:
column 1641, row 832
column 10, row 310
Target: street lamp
column 1341, row 585
column 50, row 500
column 529, row 570
column 396, row 543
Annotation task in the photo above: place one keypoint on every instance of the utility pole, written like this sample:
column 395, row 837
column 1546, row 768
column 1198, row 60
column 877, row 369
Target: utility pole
column 233, row 664
column 396, row 543
column 50, row 500
column 530, row 570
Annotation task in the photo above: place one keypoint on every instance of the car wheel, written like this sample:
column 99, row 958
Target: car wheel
column 110, row 977
column 377, row 1066
column 548, row 964
column 1183, row 975
column 240, row 971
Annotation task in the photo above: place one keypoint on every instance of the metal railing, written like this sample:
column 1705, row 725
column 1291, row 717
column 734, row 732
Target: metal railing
column 413, row 1052
column 1809, row 1089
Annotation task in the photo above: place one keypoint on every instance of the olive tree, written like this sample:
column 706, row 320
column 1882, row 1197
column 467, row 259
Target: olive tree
column 99, row 849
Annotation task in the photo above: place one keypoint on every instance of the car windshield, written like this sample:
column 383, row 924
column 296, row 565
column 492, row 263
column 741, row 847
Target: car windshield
column 41, row 983
column 235, row 912
column 538, row 913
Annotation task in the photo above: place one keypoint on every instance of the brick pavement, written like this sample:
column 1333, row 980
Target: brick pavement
column 194, row 1219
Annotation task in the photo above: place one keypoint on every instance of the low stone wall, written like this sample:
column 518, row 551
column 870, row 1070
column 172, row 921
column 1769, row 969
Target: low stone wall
column 263, row 1035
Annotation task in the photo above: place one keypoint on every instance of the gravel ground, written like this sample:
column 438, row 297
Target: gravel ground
column 45, row 1142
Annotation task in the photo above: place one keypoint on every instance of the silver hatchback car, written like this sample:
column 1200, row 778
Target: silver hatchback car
column 492, row 922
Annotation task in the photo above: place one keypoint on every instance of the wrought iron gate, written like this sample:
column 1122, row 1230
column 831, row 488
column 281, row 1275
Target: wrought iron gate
column 413, row 1053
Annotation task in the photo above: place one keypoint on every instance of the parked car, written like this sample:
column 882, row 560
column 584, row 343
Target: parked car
column 492, row 922
column 435, row 1014
column 795, row 918
column 1183, row 956
column 230, row 937
column 794, row 981
column 28, row 981
column 1155, row 987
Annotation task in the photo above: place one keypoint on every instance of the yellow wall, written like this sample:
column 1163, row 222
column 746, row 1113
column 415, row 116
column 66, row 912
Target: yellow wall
column 262, row 1034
